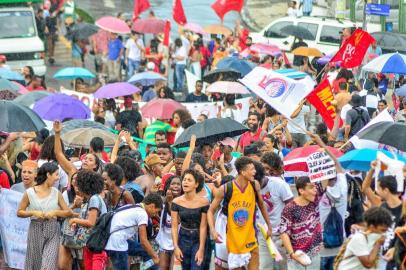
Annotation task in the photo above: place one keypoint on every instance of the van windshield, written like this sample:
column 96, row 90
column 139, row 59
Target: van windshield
column 16, row 24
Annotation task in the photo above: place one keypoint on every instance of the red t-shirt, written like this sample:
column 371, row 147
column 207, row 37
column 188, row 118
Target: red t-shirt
column 4, row 182
column 247, row 138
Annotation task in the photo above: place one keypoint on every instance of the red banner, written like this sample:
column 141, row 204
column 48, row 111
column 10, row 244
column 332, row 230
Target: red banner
column 321, row 98
column 353, row 50
column 139, row 7
column 221, row 7
column 167, row 33
column 178, row 12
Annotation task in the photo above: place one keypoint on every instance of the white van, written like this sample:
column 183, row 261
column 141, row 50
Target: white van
column 325, row 32
column 19, row 40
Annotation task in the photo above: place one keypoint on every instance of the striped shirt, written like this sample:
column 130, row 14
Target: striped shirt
column 149, row 135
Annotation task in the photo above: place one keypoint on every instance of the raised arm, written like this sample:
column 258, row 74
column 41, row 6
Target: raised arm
column 188, row 158
column 366, row 187
column 66, row 165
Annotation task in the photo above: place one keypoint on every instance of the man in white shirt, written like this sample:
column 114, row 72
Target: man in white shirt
column 128, row 222
column 135, row 49
column 275, row 193
column 299, row 117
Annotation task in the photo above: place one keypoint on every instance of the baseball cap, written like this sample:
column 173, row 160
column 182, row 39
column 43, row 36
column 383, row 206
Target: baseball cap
column 228, row 142
column 356, row 100
column 153, row 159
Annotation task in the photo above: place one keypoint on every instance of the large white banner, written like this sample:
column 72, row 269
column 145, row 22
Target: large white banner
column 87, row 99
column 13, row 229
column 282, row 93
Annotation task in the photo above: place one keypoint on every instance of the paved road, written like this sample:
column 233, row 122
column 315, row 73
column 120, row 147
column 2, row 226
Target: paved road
column 197, row 11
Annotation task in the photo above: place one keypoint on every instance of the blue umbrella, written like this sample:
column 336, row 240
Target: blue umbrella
column 387, row 63
column 146, row 78
column 292, row 73
column 7, row 85
column 8, row 74
column 240, row 65
column 71, row 73
column 360, row 159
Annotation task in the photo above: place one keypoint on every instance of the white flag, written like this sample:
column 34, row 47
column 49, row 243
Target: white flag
column 282, row 93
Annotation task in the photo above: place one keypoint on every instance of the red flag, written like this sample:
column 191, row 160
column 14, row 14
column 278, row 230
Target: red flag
column 139, row 7
column 285, row 59
column 167, row 33
column 221, row 7
column 321, row 98
column 353, row 50
column 178, row 12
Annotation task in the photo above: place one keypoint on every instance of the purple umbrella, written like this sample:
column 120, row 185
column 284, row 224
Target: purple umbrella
column 324, row 60
column 60, row 107
column 118, row 89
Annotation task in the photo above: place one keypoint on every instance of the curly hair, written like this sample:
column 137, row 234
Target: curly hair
column 42, row 174
column 376, row 216
column 183, row 115
column 90, row 182
column 197, row 176
column 273, row 160
column 115, row 173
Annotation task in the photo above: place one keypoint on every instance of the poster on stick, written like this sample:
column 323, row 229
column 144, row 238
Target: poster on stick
column 321, row 167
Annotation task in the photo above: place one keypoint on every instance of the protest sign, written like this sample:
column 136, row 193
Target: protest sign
column 87, row 99
column 13, row 229
column 282, row 93
column 321, row 167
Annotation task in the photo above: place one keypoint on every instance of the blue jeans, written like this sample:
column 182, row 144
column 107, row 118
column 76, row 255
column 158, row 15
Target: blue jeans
column 119, row 259
column 135, row 249
column 180, row 76
column 326, row 263
column 306, row 13
column 132, row 67
column 189, row 245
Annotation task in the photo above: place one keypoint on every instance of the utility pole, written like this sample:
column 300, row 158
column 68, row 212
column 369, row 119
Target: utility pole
column 364, row 16
column 383, row 19
column 352, row 10
column 401, row 21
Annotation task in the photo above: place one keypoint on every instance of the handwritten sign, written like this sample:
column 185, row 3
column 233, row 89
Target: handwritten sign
column 321, row 167
column 13, row 229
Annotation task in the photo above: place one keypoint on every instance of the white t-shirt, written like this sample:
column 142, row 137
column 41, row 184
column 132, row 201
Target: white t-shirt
column 181, row 52
column 130, row 218
column 299, row 120
column 292, row 12
column 359, row 245
column 134, row 53
column 274, row 194
column 62, row 183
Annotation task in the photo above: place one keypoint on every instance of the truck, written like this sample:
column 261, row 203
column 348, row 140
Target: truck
column 19, row 39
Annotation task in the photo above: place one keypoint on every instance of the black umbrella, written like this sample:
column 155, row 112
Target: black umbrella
column 211, row 131
column 17, row 118
column 392, row 134
column 227, row 74
column 82, row 31
column 297, row 31
column 30, row 98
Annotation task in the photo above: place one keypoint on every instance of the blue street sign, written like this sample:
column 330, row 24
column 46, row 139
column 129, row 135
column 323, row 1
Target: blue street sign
column 378, row 9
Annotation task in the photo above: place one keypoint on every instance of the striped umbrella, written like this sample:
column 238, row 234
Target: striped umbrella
column 387, row 63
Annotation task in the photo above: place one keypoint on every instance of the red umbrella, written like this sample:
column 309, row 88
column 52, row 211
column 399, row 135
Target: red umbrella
column 295, row 162
column 160, row 108
column 113, row 24
column 149, row 25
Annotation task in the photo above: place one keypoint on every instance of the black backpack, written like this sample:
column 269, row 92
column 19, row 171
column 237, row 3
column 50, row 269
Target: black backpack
column 100, row 233
column 360, row 117
column 229, row 192
column 355, row 206
column 333, row 234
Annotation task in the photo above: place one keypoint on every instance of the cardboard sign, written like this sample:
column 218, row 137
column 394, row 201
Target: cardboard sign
column 321, row 167
column 14, row 230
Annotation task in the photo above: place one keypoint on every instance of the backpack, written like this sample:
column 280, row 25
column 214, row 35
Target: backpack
column 340, row 256
column 333, row 234
column 360, row 117
column 100, row 233
column 355, row 207
column 228, row 192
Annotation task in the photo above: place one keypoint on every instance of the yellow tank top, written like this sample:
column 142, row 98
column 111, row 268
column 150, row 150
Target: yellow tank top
column 240, row 221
